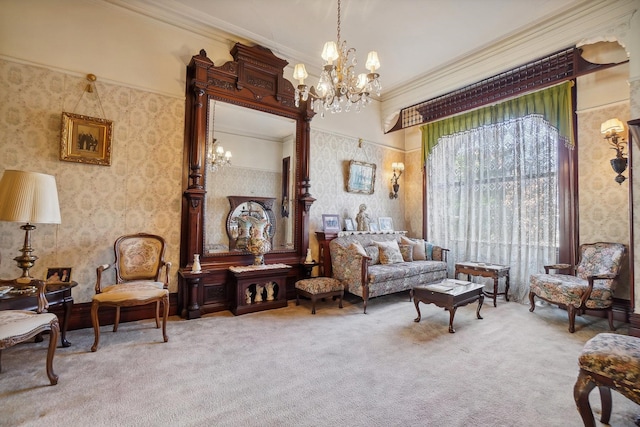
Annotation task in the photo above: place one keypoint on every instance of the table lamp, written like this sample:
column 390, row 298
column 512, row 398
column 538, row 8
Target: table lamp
column 31, row 198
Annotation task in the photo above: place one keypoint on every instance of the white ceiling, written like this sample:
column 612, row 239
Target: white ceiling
column 412, row 37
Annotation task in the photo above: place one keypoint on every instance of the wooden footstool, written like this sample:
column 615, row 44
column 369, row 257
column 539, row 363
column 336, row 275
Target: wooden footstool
column 609, row 361
column 319, row 287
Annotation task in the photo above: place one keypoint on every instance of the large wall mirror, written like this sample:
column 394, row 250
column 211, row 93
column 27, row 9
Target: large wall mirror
column 246, row 106
column 258, row 142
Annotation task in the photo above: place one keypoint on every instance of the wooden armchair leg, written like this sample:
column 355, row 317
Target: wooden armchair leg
column 581, row 391
column 117, row 321
column 165, row 315
column 605, row 399
column 572, row 318
column 53, row 340
column 157, row 314
column 610, row 317
column 96, row 324
column 532, row 304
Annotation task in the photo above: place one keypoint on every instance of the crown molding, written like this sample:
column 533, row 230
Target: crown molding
column 586, row 21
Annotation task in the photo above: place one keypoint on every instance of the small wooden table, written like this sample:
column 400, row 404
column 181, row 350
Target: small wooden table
column 496, row 271
column 449, row 294
column 258, row 287
column 56, row 294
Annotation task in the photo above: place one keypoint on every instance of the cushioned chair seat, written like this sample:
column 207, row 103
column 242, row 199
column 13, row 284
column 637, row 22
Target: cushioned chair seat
column 15, row 323
column 566, row 289
column 319, row 287
column 609, row 361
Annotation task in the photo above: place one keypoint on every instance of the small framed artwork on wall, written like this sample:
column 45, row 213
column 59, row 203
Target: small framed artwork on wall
column 386, row 223
column 86, row 139
column 330, row 223
column 362, row 177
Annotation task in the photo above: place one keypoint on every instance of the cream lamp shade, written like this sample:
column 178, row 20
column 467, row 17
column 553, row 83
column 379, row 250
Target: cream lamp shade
column 611, row 126
column 29, row 197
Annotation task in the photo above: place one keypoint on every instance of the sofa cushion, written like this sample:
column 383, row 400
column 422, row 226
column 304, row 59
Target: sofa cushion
column 374, row 253
column 389, row 252
column 407, row 252
column 418, row 247
column 357, row 248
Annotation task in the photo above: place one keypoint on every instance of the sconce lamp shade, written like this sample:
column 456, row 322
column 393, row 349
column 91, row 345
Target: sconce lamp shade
column 29, row 197
column 611, row 126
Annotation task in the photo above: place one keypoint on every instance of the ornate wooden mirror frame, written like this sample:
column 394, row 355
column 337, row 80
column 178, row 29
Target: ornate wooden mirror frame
column 254, row 80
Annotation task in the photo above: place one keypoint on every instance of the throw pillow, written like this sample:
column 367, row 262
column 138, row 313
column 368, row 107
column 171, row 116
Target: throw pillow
column 357, row 248
column 407, row 252
column 428, row 249
column 389, row 252
column 418, row 247
column 373, row 253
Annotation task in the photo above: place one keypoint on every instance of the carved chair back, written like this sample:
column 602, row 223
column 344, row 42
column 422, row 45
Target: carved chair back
column 139, row 257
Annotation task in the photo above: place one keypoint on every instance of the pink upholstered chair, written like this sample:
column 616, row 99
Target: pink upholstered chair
column 17, row 326
column 138, row 267
column 590, row 287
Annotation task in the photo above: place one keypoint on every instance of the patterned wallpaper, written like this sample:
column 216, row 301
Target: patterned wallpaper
column 603, row 203
column 139, row 192
column 330, row 156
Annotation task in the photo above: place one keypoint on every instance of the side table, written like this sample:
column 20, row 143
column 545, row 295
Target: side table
column 258, row 287
column 56, row 294
column 495, row 271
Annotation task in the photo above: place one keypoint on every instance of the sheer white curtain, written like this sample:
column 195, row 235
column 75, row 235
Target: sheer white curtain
column 492, row 196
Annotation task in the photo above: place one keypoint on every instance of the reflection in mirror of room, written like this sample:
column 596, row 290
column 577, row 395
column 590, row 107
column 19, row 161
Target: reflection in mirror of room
column 259, row 142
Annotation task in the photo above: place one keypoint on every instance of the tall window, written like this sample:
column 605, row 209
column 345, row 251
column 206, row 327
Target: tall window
column 493, row 196
column 493, row 183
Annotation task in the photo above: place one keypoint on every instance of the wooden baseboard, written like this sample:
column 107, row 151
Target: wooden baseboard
column 81, row 313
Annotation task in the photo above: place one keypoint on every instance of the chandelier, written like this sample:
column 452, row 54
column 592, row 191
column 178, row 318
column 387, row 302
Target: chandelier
column 339, row 87
column 216, row 156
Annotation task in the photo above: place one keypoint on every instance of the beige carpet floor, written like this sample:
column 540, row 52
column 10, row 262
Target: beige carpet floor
column 286, row 367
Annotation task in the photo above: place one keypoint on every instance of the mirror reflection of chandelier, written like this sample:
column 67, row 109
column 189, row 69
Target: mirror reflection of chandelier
column 339, row 87
column 216, row 156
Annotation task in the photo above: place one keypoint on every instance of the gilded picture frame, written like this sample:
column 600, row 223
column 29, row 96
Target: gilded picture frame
column 361, row 178
column 86, row 139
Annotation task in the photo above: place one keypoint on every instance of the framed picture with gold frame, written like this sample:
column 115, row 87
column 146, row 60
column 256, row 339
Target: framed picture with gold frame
column 86, row 139
column 361, row 178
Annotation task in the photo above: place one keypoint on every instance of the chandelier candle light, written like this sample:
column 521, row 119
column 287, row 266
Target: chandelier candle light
column 216, row 156
column 339, row 87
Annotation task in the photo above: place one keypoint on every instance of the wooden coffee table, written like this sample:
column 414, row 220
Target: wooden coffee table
column 449, row 294
column 495, row 271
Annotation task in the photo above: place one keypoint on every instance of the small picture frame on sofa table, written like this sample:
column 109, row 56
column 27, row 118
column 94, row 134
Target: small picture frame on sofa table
column 386, row 223
column 348, row 224
column 331, row 223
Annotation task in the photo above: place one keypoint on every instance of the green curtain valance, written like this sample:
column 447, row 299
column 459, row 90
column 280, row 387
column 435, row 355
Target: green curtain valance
column 554, row 104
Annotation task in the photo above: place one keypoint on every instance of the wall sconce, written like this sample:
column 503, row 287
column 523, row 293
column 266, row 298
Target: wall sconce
column 611, row 129
column 398, row 168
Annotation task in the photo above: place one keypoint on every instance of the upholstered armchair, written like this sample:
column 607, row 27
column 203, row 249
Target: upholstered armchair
column 138, row 266
column 17, row 326
column 591, row 285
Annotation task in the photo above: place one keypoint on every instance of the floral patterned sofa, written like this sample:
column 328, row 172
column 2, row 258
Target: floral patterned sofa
column 368, row 265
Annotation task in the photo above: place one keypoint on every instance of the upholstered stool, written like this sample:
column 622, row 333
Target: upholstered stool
column 319, row 287
column 609, row 361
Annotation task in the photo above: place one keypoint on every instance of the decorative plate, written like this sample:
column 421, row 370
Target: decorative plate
column 5, row 289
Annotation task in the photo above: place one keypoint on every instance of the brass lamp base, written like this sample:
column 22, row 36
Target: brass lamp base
column 26, row 260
